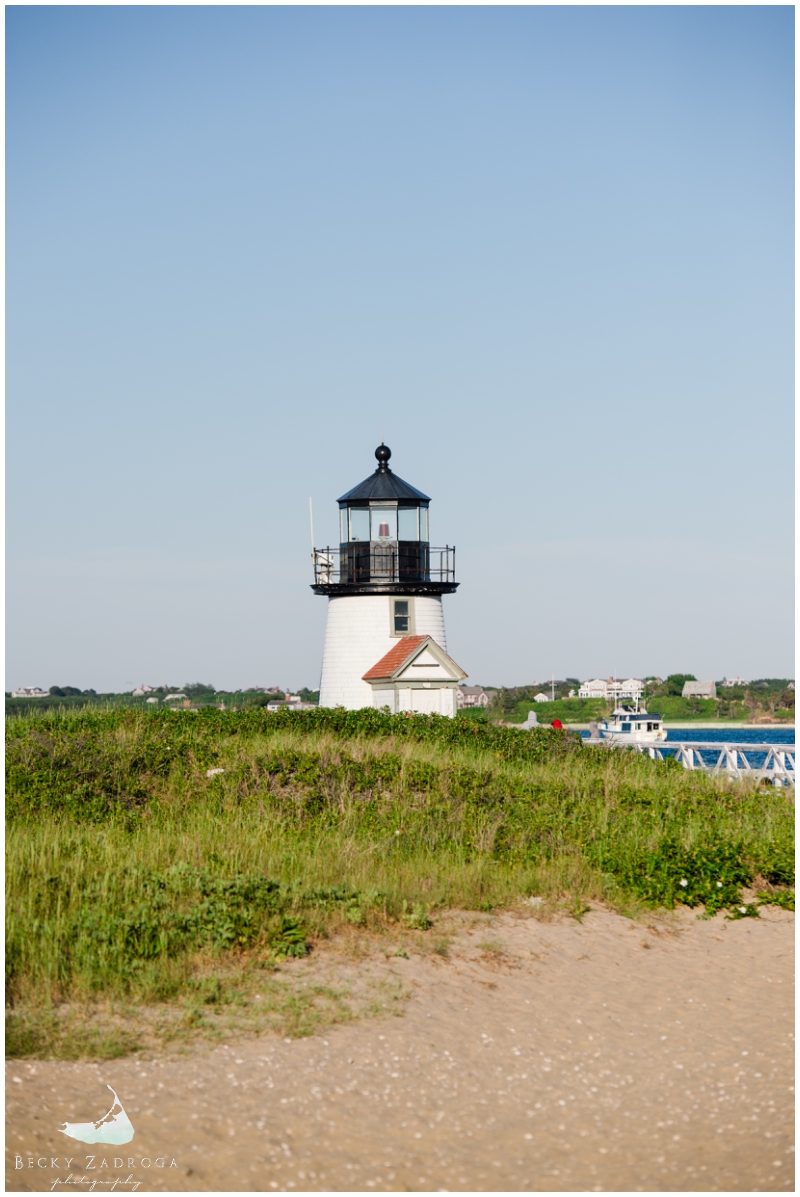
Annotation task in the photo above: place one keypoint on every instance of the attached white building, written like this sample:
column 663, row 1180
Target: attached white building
column 416, row 675
column 541, row 697
column 29, row 692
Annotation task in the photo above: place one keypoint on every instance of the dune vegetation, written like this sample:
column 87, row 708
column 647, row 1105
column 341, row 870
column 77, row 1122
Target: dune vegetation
column 150, row 854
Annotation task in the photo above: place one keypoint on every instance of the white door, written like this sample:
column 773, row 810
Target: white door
column 426, row 702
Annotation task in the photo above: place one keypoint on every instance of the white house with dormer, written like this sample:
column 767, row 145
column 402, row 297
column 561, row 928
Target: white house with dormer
column 612, row 690
column 471, row 696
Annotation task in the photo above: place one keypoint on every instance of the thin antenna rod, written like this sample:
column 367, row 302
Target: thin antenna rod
column 311, row 516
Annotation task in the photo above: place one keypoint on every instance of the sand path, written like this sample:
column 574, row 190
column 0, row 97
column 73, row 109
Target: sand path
column 578, row 1059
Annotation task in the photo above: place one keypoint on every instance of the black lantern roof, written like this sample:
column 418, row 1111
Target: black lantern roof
column 384, row 484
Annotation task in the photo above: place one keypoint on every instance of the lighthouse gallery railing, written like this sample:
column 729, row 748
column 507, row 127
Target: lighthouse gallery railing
column 357, row 564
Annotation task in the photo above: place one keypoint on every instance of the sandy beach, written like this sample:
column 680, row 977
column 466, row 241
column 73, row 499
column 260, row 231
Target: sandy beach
column 536, row 1055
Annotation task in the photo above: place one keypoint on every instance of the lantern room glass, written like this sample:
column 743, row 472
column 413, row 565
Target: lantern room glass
column 359, row 523
column 408, row 523
column 383, row 522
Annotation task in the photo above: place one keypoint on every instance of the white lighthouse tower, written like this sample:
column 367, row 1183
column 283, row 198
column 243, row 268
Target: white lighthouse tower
column 385, row 642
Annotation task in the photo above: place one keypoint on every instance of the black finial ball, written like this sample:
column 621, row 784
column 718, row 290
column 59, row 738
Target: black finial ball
column 383, row 453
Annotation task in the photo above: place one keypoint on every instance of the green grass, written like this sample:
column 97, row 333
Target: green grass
column 136, row 881
column 674, row 707
column 568, row 710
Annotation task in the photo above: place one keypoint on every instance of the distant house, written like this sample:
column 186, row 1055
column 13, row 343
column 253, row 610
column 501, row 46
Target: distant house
column 174, row 697
column 732, row 681
column 612, row 690
column 292, row 702
column 632, row 687
column 152, row 700
column 699, row 690
column 140, row 691
column 291, row 706
column 594, row 689
column 29, row 692
column 471, row 696
column 541, row 697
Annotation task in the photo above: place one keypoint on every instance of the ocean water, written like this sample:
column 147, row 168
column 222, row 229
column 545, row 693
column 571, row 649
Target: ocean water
column 731, row 735
column 755, row 736
column 727, row 735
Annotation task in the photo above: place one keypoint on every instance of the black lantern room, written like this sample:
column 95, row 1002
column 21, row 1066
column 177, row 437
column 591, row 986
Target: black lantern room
column 384, row 541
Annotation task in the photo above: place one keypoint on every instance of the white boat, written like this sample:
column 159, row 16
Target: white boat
column 630, row 725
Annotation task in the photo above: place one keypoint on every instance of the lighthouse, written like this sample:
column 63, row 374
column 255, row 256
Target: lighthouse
column 385, row 643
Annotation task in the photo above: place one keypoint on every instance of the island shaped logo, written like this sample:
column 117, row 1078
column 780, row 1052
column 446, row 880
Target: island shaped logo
column 114, row 1127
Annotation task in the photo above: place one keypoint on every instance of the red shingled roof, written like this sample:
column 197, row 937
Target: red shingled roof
column 395, row 657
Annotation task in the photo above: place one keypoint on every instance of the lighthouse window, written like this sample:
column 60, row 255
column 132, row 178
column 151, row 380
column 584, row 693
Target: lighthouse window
column 384, row 523
column 359, row 523
column 343, row 536
column 423, row 523
column 402, row 617
column 408, row 523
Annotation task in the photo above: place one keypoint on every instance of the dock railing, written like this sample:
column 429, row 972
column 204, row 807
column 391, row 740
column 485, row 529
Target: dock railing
column 773, row 762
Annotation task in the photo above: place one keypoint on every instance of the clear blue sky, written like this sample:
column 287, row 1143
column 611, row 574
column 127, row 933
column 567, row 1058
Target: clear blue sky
column 546, row 253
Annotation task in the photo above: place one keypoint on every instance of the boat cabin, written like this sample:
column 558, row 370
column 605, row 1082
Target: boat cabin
column 631, row 723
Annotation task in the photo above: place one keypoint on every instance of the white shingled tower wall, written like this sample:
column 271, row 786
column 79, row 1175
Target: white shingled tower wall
column 358, row 634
